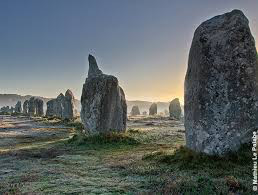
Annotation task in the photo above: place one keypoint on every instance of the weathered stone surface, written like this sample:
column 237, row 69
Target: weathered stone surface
column 135, row 111
column 175, row 110
column 25, row 107
column 103, row 102
column 18, row 107
column 221, row 104
column 39, row 107
column 35, row 106
column 94, row 70
column 69, row 109
column 31, row 106
column 153, row 109
column 62, row 106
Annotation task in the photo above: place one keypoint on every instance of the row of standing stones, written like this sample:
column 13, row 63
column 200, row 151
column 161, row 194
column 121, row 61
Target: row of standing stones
column 175, row 110
column 221, row 89
column 62, row 107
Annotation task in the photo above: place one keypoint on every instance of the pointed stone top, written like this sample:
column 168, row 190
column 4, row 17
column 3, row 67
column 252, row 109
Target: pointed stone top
column 69, row 94
column 94, row 70
column 61, row 95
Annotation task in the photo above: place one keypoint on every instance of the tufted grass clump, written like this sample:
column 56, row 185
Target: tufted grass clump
column 112, row 139
column 189, row 159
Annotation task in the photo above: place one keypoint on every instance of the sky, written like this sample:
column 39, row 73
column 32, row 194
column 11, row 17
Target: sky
column 44, row 44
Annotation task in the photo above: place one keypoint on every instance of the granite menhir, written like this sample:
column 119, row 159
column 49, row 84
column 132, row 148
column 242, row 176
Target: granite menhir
column 103, row 102
column 221, row 104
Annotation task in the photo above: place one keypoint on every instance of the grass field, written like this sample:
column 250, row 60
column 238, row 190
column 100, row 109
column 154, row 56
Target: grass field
column 150, row 158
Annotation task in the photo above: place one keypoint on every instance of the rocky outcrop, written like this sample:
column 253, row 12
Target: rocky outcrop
column 103, row 102
column 62, row 106
column 135, row 111
column 153, row 109
column 18, row 107
column 221, row 107
column 175, row 110
column 35, row 106
column 25, row 107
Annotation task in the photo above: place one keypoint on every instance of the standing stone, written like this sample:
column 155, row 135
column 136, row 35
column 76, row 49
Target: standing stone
column 18, row 107
column 31, row 106
column 7, row 109
column 175, row 110
column 221, row 104
column 103, row 102
column 39, row 107
column 135, row 111
column 62, row 106
column 69, row 110
column 35, row 107
column 25, row 107
column 153, row 109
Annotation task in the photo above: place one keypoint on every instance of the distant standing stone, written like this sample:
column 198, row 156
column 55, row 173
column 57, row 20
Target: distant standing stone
column 135, row 111
column 31, row 106
column 69, row 110
column 221, row 107
column 39, row 107
column 18, row 107
column 103, row 102
column 175, row 110
column 62, row 106
column 35, row 106
column 25, row 107
column 153, row 109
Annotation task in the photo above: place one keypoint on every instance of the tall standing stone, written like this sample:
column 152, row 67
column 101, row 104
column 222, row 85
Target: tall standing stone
column 18, row 107
column 221, row 107
column 25, row 107
column 175, row 110
column 153, row 109
column 103, row 102
column 135, row 111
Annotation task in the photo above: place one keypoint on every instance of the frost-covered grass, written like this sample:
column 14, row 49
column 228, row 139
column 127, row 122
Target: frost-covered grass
column 145, row 159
